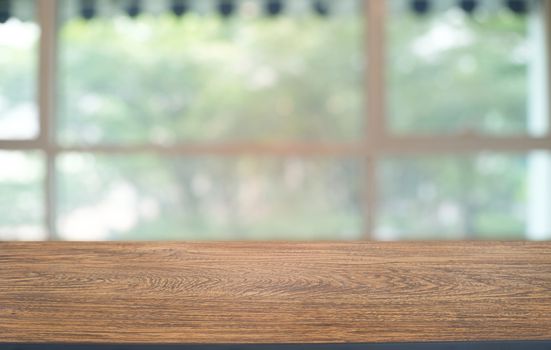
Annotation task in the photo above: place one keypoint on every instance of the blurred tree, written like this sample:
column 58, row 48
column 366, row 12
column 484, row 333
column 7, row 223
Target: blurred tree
column 207, row 79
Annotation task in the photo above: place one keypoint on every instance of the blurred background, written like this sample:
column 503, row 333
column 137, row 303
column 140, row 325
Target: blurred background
column 275, row 120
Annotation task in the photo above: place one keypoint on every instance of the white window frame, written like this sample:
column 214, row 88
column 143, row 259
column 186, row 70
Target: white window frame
column 377, row 144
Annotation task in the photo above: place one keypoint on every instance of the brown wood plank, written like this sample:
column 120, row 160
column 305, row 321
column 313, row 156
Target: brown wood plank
column 274, row 292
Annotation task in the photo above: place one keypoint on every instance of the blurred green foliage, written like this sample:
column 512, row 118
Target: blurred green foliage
column 206, row 79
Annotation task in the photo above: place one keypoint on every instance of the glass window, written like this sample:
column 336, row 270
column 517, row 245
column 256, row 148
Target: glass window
column 18, row 70
column 208, row 198
column 21, row 196
column 488, row 196
column 245, row 120
column 476, row 70
column 161, row 78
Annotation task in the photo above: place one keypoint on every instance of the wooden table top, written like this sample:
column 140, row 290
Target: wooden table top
column 274, row 292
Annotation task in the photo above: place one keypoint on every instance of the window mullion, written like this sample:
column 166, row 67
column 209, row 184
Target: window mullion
column 47, row 15
column 375, row 114
column 546, row 7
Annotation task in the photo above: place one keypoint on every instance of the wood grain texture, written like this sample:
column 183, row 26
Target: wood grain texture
column 274, row 292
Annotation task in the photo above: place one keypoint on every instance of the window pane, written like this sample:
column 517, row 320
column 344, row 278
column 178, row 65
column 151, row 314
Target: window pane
column 18, row 63
column 454, row 72
column 162, row 78
column 489, row 196
column 207, row 198
column 21, row 196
